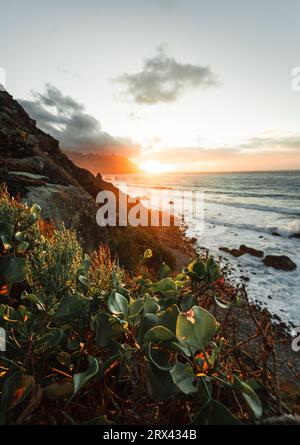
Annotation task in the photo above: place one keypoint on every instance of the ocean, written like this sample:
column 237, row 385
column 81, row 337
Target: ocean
column 242, row 208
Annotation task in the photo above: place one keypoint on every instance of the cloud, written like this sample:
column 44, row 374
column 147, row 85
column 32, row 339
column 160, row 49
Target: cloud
column 257, row 153
column 65, row 119
column 163, row 79
column 277, row 143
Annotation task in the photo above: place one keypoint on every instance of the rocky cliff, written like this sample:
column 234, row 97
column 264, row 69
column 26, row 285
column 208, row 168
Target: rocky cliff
column 33, row 167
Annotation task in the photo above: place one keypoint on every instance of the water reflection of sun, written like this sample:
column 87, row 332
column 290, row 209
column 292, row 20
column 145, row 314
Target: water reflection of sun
column 154, row 166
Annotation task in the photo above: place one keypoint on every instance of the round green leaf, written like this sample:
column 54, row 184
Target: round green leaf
column 14, row 272
column 81, row 379
column 71, row 307
column 250, row 397
column 117, row 304
column 184, row 377
column 196, row 328
column 159, row 334
column 159, row 358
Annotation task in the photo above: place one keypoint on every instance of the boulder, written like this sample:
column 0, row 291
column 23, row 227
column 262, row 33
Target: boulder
column 242, row 250
column 251, row 251
column 234, row 252
column 280, row 262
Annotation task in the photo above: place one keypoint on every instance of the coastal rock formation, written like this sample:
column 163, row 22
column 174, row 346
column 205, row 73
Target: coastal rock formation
column 242, row 250
column 280, row 262
column 33, row 167
column 251, row 251
column 234, row 252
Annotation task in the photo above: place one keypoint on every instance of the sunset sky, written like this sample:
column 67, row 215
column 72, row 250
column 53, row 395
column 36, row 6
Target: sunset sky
column 174, row 85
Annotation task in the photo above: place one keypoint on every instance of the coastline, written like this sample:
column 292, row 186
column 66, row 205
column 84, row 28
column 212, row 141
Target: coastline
column 244, row 321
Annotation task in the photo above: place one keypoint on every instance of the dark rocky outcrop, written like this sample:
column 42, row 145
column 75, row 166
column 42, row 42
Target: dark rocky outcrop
column 251, row 251
column 33, row 166
column 242, row 250
column 234, row 252
column 280, row 262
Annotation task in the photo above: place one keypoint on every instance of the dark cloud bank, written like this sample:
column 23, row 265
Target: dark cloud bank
column 163, row 79
column 66, row 120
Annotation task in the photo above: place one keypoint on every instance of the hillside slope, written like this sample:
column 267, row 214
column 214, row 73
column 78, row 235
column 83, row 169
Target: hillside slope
column 33, row 166
column 105, row 164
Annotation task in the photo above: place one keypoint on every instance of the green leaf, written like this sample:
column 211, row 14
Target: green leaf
column 15, row 389
column 164, row 285
column 33, row 299
column 19, row 236
column 222, row 303
column 196, row 328
column 150, row 305
column 117, row 304
column 160, row 385
column 250, row 397
column 72, row 306
column 215, row 413
column 159, row 334
column 184, row 377
column 14, row 270
column 103, row 329
column 164, row 270
column 197, row 269
column 81, row 379
column 148, row 321
column 168, row 318
column 159, row 358
column 85, row 265
column 6, row 243
column 83, row 280
column 22, row 247
column 52, row 338
column 147, row 254
column 57, row 391
column 213, row 269
column 187, row 302
column 6, row 229
column 35, row 211
column 135, row 308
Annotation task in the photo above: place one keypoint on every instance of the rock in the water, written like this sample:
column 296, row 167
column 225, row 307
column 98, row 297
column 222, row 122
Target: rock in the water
column 234, row 252
column 280, row 262
column 276, row 234
column 295, row 235
column 251, row 251
column 242, row 250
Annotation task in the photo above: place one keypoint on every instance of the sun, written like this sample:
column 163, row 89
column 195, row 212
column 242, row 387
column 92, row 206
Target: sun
column 154, row 167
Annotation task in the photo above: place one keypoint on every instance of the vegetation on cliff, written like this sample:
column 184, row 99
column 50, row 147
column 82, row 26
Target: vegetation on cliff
column 87, row 342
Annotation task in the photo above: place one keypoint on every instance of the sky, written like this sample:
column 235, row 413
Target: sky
column 174, row 85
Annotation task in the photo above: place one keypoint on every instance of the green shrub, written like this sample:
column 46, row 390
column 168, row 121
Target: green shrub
column 84, row 330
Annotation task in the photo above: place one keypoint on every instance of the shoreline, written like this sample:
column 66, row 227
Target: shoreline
column 287, row 362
